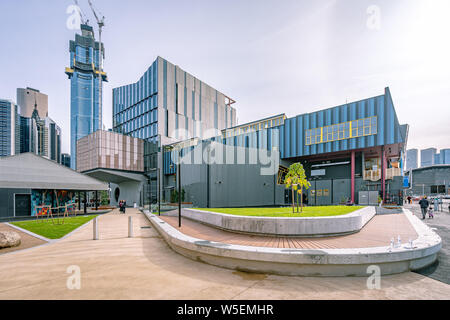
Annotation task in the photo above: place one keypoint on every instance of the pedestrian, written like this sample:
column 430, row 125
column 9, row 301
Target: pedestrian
column 424, row 204
column 124, row 205
column 409, row 199
column 430, row 213
column 436, row 204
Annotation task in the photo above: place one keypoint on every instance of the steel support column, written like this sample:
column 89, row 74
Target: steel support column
column 353, row 177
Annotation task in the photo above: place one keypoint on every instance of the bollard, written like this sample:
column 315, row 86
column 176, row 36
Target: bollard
column 130, row 227
column 95, row 228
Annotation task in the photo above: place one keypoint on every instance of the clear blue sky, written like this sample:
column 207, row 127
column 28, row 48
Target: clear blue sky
column 271, row 56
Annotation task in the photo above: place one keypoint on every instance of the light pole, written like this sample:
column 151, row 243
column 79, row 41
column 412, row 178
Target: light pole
column 179, row 185
column 158, row 177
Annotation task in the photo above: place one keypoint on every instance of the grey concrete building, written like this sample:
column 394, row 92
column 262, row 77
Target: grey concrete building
column 431, row 180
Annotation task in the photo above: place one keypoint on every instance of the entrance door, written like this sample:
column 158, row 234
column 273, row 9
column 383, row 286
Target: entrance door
column 22, row 205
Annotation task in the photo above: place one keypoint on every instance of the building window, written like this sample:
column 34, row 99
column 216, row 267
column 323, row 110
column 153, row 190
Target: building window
column 341, row 131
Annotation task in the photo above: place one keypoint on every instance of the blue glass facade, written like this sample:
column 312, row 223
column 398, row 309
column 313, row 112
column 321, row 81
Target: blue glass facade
column 135, row 107
column 86, row 81
column 9, row 129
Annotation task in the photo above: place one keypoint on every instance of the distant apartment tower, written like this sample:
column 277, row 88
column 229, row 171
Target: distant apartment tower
column 412, row 159
column 168, row 105
column 443, row 157
column 427, row 157
column 87, row 76
column 9, row 128
column 28, row 99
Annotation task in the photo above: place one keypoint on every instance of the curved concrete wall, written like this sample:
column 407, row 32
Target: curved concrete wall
column 298, row 262
column 308, row 226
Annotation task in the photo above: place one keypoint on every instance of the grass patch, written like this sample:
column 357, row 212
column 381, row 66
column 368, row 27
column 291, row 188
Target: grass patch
column 53, row 231
column 287, row 211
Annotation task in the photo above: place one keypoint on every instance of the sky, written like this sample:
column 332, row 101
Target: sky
column 271, row 56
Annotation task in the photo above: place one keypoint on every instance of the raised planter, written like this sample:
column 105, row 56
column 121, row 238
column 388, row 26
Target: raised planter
column 307, row 226
column 307, row 262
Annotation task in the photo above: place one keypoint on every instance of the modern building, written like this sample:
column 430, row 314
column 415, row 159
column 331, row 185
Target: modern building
column 86, row 84
column 412, row 159
column 168, row 104
column 345, row 150
column 427, row 157
column 116, row 159
column 65, row 159
column 29, row 100
column 9, row 128
column 432, row 180
column 28, row 181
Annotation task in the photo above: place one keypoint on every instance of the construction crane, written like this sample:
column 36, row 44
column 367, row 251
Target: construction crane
column 82, row 15
column 101, row 24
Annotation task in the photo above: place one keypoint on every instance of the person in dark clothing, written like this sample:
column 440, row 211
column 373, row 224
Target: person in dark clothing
column 424, row 204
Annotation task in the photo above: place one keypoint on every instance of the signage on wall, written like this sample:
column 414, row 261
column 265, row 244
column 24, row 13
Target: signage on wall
column 318, row 172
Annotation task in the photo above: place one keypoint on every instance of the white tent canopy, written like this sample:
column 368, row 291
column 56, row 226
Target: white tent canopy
column 30, row 171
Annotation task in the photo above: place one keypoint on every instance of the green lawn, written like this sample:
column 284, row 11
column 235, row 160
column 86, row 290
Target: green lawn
column 53, row 231
column 287, row 211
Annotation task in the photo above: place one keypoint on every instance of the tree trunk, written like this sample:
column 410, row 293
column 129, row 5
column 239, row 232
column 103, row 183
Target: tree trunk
column 293, row 200
column 296, row 195
column 301, row 199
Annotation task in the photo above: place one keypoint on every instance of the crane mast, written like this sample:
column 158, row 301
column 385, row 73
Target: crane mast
column 101, row 24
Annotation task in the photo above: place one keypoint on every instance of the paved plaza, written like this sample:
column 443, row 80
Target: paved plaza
column 144, row 267
column 441, row 225
column 377, row 233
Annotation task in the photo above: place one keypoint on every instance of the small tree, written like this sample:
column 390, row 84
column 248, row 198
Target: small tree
column 296, row 179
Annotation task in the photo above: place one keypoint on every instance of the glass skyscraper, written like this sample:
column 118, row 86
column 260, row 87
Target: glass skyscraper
column 9, row 128
column 86, row 76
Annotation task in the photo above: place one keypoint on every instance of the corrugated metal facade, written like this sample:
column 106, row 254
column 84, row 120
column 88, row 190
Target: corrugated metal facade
column 292, row 134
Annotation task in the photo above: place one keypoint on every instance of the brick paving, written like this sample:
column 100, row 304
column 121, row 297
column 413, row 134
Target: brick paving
column 377, row 233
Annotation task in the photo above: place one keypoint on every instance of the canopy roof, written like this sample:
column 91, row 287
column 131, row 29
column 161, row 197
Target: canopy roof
column 30, row 171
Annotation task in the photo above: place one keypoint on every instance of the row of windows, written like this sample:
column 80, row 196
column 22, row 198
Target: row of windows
column 341, row 131
column 130, row 94
column 265, row 124
column 140, row 108
column 140, row 122
column 137, row 111
column 142, row 133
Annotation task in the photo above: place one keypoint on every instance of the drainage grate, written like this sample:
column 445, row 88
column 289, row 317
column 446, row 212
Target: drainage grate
column 146, row 227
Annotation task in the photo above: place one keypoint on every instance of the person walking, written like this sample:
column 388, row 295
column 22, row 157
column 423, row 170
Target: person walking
column 436, row 204
column 424, row 204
